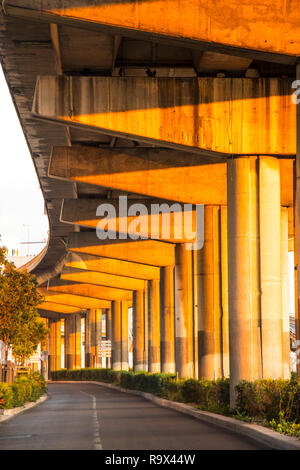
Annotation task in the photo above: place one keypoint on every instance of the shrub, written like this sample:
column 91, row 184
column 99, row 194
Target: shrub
column 6, row 396
column 25, row 388
column 102, row 375
column 270, row 399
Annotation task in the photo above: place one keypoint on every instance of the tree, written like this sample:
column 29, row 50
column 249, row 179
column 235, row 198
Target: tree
column 20, row 325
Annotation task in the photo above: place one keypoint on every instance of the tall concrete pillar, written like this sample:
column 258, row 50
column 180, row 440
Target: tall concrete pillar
column 224, row 293
column 285, row 294
column 210, row 318
column 58, row 345
column 167, row 321
column 52, row 340
column 116, row 335
column 184, row 311
column 98, row 337
column 270, row 267
column 77, row 340
column 195, row 313
column 73, row 341
column 154, row 327
column 108, row 333
column 243, row 270
column 90, row 334
column 124, row 324
column 139, row 348
column 297, row 223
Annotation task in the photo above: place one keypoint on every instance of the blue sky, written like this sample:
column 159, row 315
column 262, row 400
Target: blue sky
column 21, row 200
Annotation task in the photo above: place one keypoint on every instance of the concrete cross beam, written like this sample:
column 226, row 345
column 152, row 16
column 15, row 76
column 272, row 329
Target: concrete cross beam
column 90, row 290
column 152, row 252
column 268, row 31
column 79, row 301
column 166, row 174
column 214, row 116
column 102, row 279
column 118, row 267
column 176, row 227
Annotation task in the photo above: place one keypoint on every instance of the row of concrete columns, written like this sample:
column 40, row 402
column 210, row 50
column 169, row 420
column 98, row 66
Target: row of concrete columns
column 223, row 310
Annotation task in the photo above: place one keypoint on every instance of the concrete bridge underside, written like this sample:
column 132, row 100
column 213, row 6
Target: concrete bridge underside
column 190, row 107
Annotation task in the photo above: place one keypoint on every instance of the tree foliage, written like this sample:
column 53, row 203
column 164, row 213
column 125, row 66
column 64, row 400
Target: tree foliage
column 20, row 325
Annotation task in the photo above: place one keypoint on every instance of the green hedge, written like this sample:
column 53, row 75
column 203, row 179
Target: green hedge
column 102, row 375
column 270, row 399
column 25, row 388
column 207, row 395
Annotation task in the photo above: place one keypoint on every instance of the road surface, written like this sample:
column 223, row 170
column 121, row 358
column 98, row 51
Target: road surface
column 87, row 416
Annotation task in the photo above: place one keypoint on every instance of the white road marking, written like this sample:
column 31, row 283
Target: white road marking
column 96, row 424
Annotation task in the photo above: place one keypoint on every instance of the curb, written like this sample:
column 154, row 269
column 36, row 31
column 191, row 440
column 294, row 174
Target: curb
column 6, row 414
column 269, row 438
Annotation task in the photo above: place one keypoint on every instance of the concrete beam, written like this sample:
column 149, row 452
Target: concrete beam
column 101, row 279
column 59, row 308
column 214, row 116
column 252, row 29
column 151, row 252
column 112, row 266
column 90, row 290
column 176, row 227
column 80, row 301
column 166, row 174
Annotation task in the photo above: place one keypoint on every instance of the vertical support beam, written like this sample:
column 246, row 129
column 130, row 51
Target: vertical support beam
column 58, row 345
column 270, row 267
column 224, row 292
column 168, row 322
column 297, row 224
column 195, row 313
column 108, row 333
column 77, row 340
column 210, row 361
column 147, row 310
column 184, row 311
column 138, row 331
column 52, row 338
column 154, row 327
column 98, row 336
column 116, row 335
column 285, row 294
column 243, row 271
column 124, row 323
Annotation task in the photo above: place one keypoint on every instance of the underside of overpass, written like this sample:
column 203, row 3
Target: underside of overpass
column 163, row 101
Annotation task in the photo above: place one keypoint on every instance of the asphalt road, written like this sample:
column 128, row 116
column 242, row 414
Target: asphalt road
column 87, row 416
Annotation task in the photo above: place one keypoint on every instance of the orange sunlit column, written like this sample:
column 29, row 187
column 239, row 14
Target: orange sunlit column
column 154, row 327
column 168, row 322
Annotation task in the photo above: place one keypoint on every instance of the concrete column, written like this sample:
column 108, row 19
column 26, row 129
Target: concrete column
column 184, row 311
column 124, row 346
column 195, row 313
column 52, row 338
column 210, row 321
column 285, row 294
column 243, row 270
column 90, row 337
column 154, row 327
column 224, row 293
column 98, row 336
column 58, row 344
column 147, row 310
column 270, row 267
column 108, row 333
column 138, row 331
column 116, row 335
column 77, row 340
column 167, row 321
column 297, row 223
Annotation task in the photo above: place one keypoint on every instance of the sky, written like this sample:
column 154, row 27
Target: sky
column 22, row 215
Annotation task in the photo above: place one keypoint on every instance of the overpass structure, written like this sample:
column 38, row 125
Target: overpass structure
column 181, row 101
